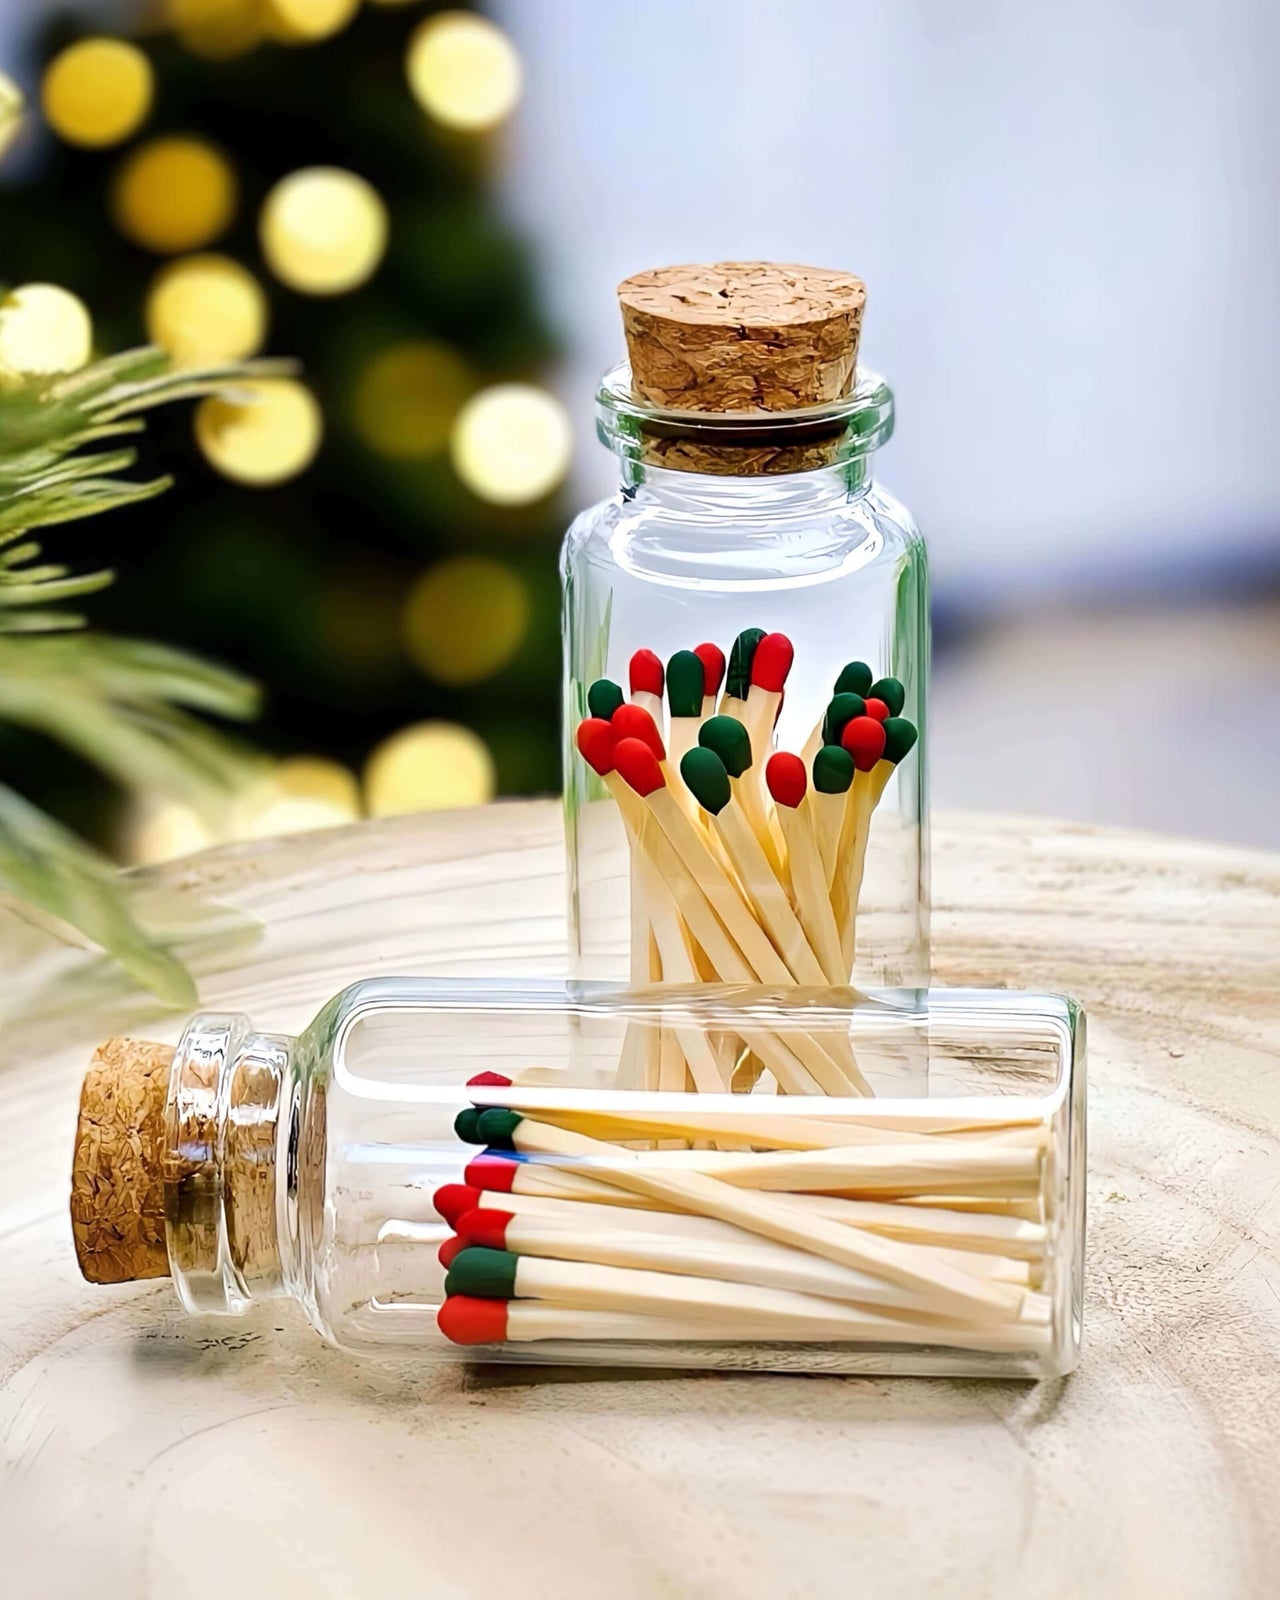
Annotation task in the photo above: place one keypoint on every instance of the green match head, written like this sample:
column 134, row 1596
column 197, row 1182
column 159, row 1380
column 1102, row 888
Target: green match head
column 899, row 738
column 855, row 678
column 466, row 1126
column 730, row 741
column 603, row 698
column 488, row 1274
column 833, row 769
column 841, row 709
column 685, row 678
column 708, row 781
column 496, row 1127
column 737, row 680
column 891, row 692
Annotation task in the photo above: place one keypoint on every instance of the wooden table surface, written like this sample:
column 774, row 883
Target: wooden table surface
column 147, row 1454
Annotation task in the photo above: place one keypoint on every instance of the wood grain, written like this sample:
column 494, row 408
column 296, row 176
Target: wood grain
column 146, row 1454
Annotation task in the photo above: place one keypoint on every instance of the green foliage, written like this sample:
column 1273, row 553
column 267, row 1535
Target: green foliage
column 126, row 706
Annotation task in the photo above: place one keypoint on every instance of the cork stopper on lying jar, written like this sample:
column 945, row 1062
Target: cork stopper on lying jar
column 742, row 335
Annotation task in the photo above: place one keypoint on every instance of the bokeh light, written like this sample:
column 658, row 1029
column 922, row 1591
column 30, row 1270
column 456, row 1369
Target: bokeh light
column 431, row 766
column 216, row 30
column 318, row 778
column 11, row 108
column 43, row 330
column 301, row 21
column 323, row 229
column 97, row 92
column 407, row 397
column 512, row 444
column 465, row 618
column 262, row 433
column 161, row 830
column 174, row 194
column 208, row 309
column 463, row 70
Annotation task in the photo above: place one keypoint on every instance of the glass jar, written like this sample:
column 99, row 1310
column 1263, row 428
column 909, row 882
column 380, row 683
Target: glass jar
column 733, row 521
column 936, row 1227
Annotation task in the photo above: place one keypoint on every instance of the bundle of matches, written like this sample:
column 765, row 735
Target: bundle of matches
column 581, row 1223
column 746, row 865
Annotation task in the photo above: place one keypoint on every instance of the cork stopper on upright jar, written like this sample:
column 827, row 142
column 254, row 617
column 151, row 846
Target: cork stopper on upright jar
column 742, row 335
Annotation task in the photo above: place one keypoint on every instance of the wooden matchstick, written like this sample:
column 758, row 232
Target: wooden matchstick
column 603, row 698
column 729, row 739
column 705, row 775
column 833, row 774
column 685, row 1252
column 713, row 665
column 864, row 739
column 771, row 665
column 471, row 1320
column 645, row 680
column 685, row 679
column 900, row 738
column 909, row 1266
column 788, row 785
column 737, row 682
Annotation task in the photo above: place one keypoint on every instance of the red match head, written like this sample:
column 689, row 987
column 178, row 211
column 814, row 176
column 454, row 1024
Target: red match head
column 634, row 722
column 863, row 738
column 877, row 709
column 596, row 740
column 785, row 775
column 712, row 659
column 772, row 662
column 646, row 673
column 497, row 1174
column 449, row 1249
column 638, row 766
column 489, row 1080
column 454, row 1200
column 485, row 1227
column 465, row 1319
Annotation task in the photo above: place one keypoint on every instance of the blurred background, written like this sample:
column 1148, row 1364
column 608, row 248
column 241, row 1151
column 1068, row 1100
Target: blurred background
column 1066, row 219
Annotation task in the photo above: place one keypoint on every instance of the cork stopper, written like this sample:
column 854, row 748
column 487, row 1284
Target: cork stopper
column 742, row 335
column 117, row 1174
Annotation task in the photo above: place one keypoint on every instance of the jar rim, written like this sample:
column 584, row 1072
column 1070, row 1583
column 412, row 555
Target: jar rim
column 853, row 426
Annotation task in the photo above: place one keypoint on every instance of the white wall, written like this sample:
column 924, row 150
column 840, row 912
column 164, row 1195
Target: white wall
column 1066, row 215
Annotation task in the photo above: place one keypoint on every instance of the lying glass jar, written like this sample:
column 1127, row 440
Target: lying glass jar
column 450, row 1170
column 751, row 568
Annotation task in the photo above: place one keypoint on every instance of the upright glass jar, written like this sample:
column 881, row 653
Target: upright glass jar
column 934, row 1226
column 736, row 519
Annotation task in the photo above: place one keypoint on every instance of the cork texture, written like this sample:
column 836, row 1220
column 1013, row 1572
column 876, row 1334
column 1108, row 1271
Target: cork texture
column 117, row 1174
column 742, row 335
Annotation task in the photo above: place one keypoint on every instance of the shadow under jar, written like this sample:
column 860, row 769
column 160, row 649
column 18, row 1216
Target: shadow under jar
column 745, row 434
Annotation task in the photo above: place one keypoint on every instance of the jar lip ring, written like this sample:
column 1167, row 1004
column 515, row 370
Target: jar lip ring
column 743, row 443
column 870, row 397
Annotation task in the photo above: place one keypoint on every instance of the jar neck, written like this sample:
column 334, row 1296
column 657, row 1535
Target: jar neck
column 704, row 494
column 230, row 1184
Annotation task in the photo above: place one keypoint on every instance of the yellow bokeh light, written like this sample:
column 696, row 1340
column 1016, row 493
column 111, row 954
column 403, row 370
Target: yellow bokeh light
column 262, row 433
column 301, row 21
column 97, row 92
column 206, row 309
column 11, row 108
column 431, row 766
column 163, row 830
column 174, row 194
column 407, row 397
column 317, row 778
column 217, row 30
column 324, row 230
column 463, row 70
column 465, row 619
column 268, row 814
column 512, row 444
column 43, row 330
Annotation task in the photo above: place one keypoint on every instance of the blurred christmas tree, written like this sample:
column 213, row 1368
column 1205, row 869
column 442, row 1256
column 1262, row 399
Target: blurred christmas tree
column 374, row 544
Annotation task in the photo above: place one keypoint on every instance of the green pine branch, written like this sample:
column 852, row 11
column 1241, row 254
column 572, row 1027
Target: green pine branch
column 130, row 708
